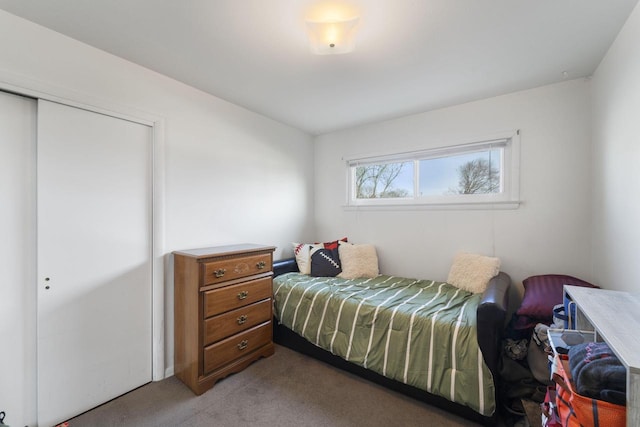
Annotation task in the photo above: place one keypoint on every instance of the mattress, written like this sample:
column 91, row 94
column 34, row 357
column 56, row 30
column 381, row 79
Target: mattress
column 419, row 332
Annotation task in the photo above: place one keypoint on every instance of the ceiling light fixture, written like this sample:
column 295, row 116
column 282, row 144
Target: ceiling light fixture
column 334, row 36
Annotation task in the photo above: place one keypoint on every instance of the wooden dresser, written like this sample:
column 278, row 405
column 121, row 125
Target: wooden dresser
column 222, row 311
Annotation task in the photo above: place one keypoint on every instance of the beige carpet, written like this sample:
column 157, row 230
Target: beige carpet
column 287, row 389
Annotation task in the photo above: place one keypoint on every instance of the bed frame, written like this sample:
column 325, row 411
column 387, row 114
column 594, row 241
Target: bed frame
column 491, row 318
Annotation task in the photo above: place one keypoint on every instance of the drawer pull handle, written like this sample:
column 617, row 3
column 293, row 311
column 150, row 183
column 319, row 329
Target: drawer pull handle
column 243, row 344
column 242, row 319
column 261, row 265
column 219, row 273
column 242, row 295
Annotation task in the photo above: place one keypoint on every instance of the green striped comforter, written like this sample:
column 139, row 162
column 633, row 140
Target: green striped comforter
column 418, row 332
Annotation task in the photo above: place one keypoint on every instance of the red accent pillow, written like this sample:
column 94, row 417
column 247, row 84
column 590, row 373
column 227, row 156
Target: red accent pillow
column 543, row 292
column 332, row 245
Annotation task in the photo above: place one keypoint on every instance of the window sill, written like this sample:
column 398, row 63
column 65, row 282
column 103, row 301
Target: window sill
column 509, row 205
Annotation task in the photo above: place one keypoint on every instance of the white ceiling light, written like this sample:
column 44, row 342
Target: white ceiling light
column 332, row 36
column 331, row 26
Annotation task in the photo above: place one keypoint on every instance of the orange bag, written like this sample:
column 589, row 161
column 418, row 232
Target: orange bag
column 576, row 410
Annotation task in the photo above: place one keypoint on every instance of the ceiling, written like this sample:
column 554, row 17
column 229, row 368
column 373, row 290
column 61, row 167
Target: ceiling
column 411, row 55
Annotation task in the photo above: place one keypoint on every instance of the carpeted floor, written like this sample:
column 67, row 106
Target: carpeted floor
column 287, row 389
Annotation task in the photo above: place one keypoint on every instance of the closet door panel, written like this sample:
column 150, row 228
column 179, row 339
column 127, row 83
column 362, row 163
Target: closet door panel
column 17, row 255
column 94, row 259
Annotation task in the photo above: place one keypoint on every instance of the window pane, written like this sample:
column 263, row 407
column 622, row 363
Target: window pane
column 384, row 181
column 479, row 172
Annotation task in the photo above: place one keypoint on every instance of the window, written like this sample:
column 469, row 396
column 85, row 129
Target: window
column 484, row 172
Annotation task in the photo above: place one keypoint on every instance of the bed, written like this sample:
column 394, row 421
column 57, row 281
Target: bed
column 361, row 325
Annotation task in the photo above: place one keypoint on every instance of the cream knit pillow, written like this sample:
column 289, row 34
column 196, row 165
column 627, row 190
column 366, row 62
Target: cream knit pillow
column 358, row 261
column 472, row 272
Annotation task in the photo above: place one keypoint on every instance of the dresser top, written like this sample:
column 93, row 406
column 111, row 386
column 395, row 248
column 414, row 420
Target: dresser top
column 224, row 250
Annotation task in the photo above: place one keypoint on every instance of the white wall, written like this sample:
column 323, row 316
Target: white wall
column 616, row 161
column 232, row 176
column 548, row 233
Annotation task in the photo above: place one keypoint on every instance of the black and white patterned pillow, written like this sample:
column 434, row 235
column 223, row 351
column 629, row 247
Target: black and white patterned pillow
column 325, row 262
column 302, row 252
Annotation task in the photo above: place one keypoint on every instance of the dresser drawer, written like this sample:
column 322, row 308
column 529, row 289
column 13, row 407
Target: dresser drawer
column 226, row 351
column 235, row 268
column 221, row 300
column 232, row 322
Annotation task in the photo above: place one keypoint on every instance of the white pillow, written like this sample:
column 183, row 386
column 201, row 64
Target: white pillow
column 358, row 261
column 472, row 272
column 303, row 257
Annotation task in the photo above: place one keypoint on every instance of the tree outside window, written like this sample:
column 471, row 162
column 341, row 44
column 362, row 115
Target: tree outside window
column 380, row 181
column 477, row 176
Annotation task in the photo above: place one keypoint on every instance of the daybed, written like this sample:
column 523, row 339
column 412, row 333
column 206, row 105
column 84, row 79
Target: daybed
column 458, row 355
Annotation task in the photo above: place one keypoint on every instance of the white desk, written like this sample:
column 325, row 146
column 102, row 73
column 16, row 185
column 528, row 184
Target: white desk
column 615, row 318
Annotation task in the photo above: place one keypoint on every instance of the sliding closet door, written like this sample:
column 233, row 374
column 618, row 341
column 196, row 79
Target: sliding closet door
column 17, row 251
column 94, row 259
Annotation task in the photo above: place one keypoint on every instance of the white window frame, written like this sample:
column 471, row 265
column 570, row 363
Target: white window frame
column 508, row 198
